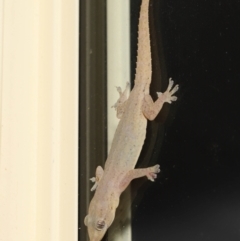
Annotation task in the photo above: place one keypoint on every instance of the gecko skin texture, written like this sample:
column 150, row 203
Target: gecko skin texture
column 133, row 111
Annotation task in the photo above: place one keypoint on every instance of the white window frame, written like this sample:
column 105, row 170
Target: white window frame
column 39, row 120
column 118, row 74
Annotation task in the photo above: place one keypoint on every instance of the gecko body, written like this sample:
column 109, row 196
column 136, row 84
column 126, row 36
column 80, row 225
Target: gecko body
column 129, row 137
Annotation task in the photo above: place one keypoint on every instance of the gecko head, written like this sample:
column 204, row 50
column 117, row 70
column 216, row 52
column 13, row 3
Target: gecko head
column 98, row 221
column 96, row 229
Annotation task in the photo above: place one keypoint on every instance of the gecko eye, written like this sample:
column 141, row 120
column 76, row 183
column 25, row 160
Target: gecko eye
column 100, row 225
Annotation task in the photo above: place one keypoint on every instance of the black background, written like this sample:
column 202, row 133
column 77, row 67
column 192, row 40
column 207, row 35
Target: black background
column 196, row 196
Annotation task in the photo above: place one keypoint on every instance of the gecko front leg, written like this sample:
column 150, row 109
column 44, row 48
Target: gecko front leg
column 122, row 100
column 99, row 174
column 149, row 172
column 151, row 109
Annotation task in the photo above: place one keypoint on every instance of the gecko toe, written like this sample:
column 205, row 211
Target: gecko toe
column 93, row 179
column 154, row 175
column 151, row 176
column 156, row 168
column 173, row 98
column 153, row 172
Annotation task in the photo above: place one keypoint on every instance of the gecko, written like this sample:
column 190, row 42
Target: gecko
column 133, row 111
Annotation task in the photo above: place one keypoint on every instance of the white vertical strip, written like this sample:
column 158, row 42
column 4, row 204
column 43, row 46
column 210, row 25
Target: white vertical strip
column 39, row 120
column 46, row 147
column 56, row 120
column 118, row 60
column 19, row 83
column 68, row 195
column 35, row 99
column 118, row 55
column 1, row 60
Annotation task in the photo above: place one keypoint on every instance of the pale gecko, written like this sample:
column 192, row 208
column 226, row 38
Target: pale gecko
column 129, row 137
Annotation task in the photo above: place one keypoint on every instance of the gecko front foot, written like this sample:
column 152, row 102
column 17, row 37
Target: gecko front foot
column 152, row 174
column 168, row 96
column 99, row 174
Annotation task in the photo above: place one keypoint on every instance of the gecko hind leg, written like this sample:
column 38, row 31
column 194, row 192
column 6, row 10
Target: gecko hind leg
column 99, row 174
column 121, row 102
column 151, row 109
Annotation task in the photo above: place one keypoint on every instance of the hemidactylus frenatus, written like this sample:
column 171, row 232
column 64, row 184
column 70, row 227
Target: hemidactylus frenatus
column 129, row 137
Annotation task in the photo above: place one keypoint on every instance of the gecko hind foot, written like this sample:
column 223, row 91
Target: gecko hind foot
column 119, row 106
column 153, row 172
column 168, row 95
column 123, row 95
